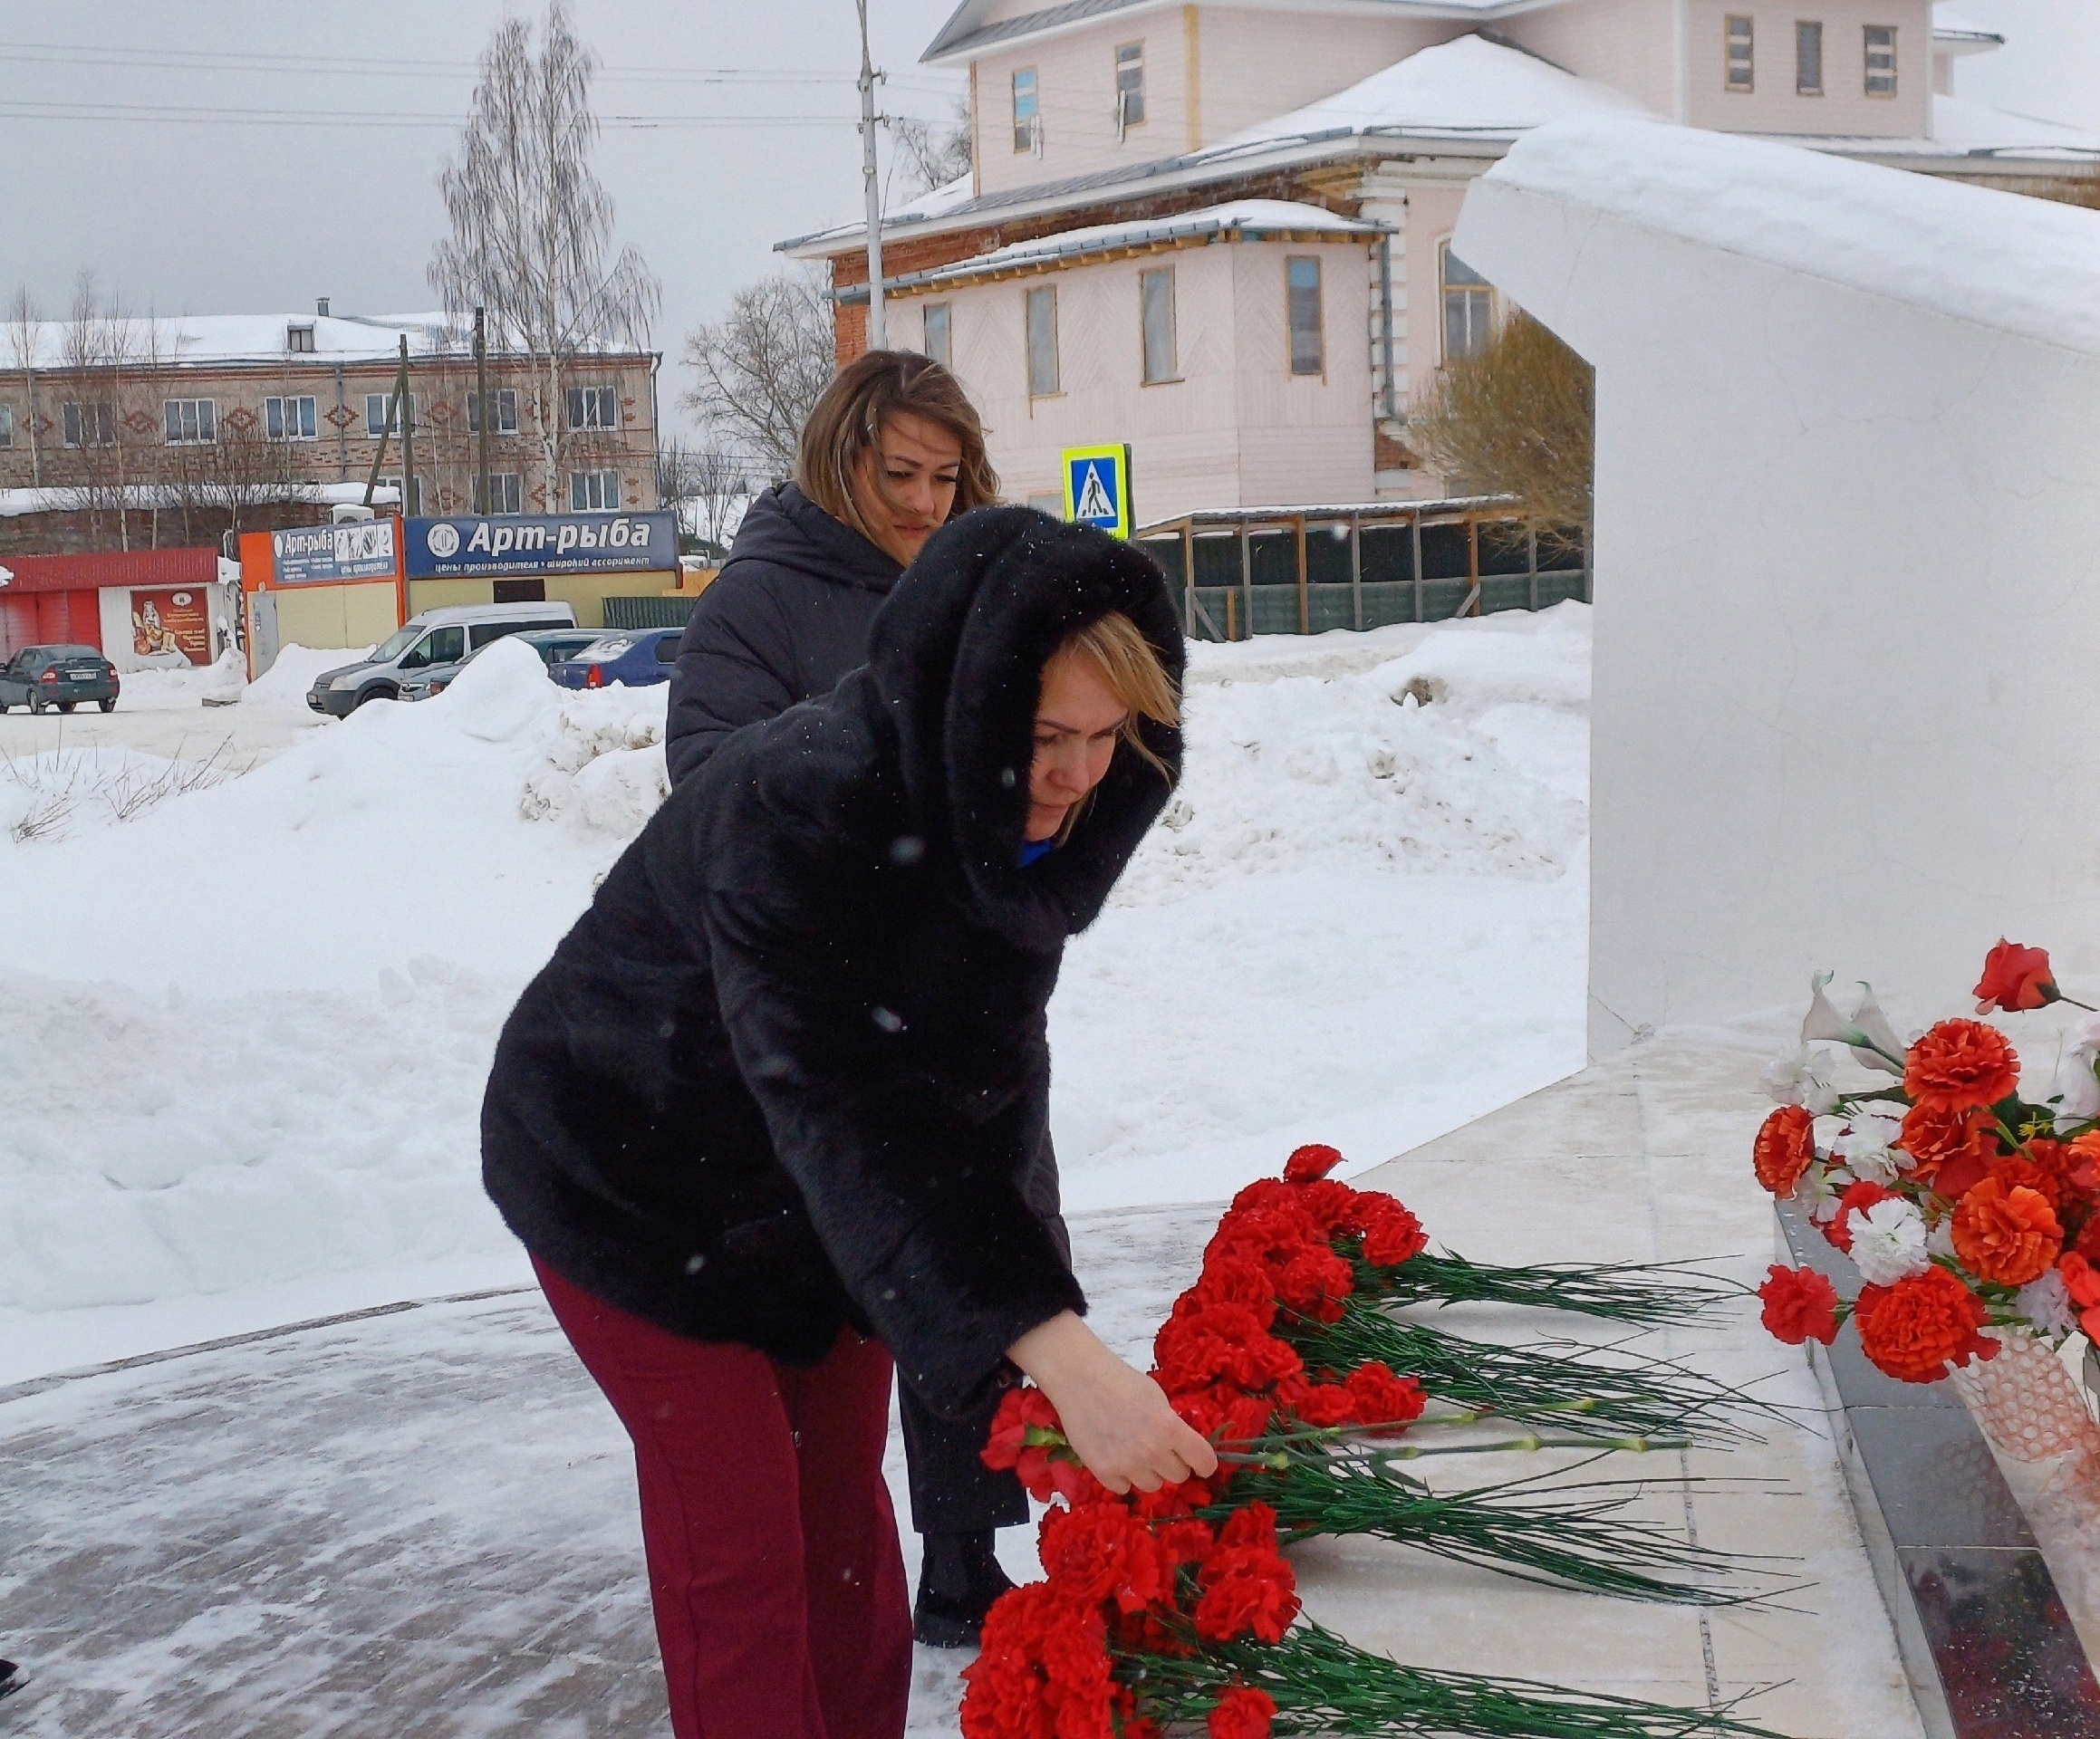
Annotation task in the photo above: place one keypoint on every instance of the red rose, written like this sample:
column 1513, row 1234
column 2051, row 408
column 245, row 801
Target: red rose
column 1785, row 1148
column 1856, row 1199
column 1952, row 1149
column 1913, row 1329
column 1242, row 1713
column 1799, row 1305
column 2016, row 978
column 1960, row 1063
column 1307, row 1163
column 1391, row 1235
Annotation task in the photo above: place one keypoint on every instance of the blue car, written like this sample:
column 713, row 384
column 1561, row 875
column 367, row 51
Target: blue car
column 635, row 657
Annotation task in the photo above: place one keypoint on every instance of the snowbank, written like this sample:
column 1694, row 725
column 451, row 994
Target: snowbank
column 284, row 684
column 171, row 688
column 247, row 1041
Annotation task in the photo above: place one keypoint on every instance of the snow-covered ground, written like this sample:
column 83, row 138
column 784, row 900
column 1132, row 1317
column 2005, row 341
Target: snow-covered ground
column 246, row 1030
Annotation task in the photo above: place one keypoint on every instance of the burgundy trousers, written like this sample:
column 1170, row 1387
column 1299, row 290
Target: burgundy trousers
column 780, row 1598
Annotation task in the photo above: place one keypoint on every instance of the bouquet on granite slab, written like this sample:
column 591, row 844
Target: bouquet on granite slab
column 1968, row 1204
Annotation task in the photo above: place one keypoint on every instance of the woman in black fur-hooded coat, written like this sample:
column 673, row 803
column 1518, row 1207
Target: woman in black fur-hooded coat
column 764, row 1121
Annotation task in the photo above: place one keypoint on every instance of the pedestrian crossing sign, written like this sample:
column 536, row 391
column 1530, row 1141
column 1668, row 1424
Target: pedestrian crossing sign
column 1097, row 487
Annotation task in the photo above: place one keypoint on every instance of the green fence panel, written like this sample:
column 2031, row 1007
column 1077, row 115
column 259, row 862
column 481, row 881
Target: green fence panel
column 648, row 613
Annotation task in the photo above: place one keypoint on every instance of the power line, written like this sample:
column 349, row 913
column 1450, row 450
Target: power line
column 22, row 108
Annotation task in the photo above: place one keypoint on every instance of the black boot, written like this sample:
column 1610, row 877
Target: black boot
column 12, row 1678
column 958, row 1580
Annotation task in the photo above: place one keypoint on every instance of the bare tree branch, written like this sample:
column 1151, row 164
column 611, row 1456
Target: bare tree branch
column 932, row 157
column 757, row 373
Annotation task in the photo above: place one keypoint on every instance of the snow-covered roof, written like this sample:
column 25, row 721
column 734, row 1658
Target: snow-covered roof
column 178, row 341
column 1251, row 220
column 16, row 501
column 1955, row 35
column 2004, row 260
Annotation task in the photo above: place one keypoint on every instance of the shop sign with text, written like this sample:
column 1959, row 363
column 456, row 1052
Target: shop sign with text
column 453, row 548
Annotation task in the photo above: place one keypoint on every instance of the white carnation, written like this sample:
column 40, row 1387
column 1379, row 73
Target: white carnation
column 1867, row 1147
column 1802, row 1077
column 1888, row 1242
column 1939, row 1237
column 1817, row 1192
column 2046, row 1304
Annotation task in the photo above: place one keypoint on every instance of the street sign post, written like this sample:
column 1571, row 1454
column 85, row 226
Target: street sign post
column 1097, row 487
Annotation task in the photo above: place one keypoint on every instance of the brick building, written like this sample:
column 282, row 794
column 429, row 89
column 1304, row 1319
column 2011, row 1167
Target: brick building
column 141, row 434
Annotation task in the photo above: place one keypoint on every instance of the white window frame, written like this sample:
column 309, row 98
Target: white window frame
column 189, row 422
column 1129, row 97
column 1153, row 371
column 604, row 483
column 1037, row 296
column 291, row 417
column 1731, row 63
column 1028, row 127
column 75, row 417
column 412, row 502
column 1319, row 288
column 593, row 409
column 1807, row 31
column 299, row 337
column 1479, row 295
column 1886, row 73
column 375, row 414
column 506, row 411
column 506, row 490
column 7, row 425
column 945, row 354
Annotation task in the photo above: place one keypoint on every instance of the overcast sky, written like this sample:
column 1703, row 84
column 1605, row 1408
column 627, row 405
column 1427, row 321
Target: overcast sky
column 288, row 180
column 248, row 156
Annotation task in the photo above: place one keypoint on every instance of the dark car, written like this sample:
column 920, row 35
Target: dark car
column 43, row 677
column 635, row 657
column 550, row 643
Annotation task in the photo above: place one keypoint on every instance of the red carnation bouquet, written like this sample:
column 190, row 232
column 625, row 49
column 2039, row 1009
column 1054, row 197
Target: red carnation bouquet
column 1964, row 1204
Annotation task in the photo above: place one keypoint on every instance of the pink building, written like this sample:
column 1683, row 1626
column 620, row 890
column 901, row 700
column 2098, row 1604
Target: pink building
column 1220, row 231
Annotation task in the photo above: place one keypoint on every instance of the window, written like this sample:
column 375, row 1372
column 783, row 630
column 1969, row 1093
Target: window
column 593, row 492
column 1881, row 60
column 1740, row 53
column 592, row 408
column 92, row 425
column 1130, row 87
column 191, row 422
column 1808, row 58
column 505, row 489
column 1156, row 314
column 1302, row 300
column 299, row 337
column 1043, row 341
column 1468, row 307
column 289, row 419
column 375, row 414
column 505, row 421
column 666, row 649
column 1027, row 122
column 939, row 343
column 413, row 502
column 439, row 646
column 518, row 591
column 7, row 425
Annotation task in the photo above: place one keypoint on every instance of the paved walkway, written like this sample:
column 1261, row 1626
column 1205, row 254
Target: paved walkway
column 422, row 1521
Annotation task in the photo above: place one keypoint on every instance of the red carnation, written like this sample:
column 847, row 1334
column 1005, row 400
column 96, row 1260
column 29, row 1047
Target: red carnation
column 1314, row 1282
column 1322, row 1405
column 1247, row 1585
column 2016, row 978
column 1242, row 1713
column 1911, row 1330
column 1099, row 1551
column 1960, row 1063
column 1952, row 1149
column 1856, row 1199
column 1382, row 1398
column 1785, row 1148
column 1307, row 1163
column 1331, row 1205
column 1799, row 1305
column 1391, row 1235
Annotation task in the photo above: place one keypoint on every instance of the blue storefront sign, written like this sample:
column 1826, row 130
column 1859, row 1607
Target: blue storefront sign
column 317, row 554
column 461, row 547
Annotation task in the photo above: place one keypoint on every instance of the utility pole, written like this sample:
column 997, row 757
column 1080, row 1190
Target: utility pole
column 409, row 491
column 877, row 339
column 482, row 404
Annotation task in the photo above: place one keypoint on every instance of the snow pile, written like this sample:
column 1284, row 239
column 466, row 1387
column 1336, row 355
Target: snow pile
column 53, row 796
column 284, row 684
column 183, row 685
column 246, row 1037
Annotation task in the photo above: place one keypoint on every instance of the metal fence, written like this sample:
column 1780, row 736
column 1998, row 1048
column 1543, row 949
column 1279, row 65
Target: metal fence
column 1251, row 571
column 648, row 613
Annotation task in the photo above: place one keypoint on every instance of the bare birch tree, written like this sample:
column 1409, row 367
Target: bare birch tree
column 758, row 371
column 531, row 236
column 931, row 156
column 25, row 334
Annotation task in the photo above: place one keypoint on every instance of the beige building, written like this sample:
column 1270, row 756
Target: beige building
column 167, row 431
column 1220, row 231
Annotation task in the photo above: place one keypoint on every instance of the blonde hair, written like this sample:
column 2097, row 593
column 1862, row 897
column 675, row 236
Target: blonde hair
column 1115, row 647
column 838, row 455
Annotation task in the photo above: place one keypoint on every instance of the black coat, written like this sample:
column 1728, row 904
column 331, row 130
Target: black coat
column 787, row 618
column 789, row 1071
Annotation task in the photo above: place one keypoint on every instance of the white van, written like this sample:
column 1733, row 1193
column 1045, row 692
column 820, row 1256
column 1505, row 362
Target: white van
column 430, row 640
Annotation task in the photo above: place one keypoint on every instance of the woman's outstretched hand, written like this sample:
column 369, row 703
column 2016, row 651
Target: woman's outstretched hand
column 1116, row 1419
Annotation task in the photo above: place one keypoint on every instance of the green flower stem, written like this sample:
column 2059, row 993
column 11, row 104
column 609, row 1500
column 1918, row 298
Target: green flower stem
column 1322, row 1685
column 1650, row 1294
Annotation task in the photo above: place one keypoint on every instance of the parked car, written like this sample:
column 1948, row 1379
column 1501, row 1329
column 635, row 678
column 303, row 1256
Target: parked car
column 43, row 677
column 636, row 657
column 428, row 642
column 550, row 643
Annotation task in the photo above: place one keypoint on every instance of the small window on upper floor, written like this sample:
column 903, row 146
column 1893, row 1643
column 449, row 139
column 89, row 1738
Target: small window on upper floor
column 1741, row 53
column 1130, row 87
column 592, row 408
column 379, row 406
column 190, row 422
column 7, row 425
column 505, row 422
column 299, row 337
column 1027, row 118
column 290, row 418
column 1156, row 323
column 1468, row 307
column 1881, row 60
column 1302, row 308
column 1808, row 58
column 1043, row 341
column 939, row 334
